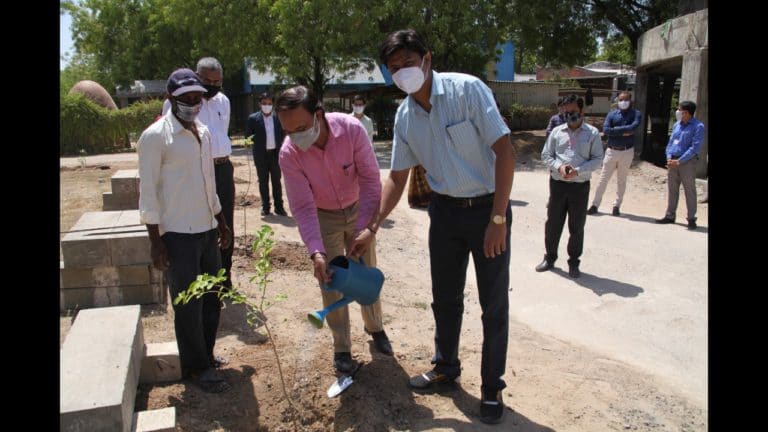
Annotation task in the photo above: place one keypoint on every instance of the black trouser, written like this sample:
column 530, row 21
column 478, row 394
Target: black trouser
column 454, row 233
column 225, row 189
column 197, row 321
column 566, row 198
column 267, row 167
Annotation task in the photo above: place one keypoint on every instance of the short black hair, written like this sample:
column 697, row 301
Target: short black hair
column 358, row 98
column 688, row 106
column 560, row 101
column 297, row 96
column 407, row 39
column 571, row 98
column 264, row 95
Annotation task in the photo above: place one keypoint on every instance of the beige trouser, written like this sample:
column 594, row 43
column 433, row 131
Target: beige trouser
column 619, row 161
column 337, row 228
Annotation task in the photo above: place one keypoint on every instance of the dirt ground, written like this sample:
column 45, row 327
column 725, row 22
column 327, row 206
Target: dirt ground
column 553, row 384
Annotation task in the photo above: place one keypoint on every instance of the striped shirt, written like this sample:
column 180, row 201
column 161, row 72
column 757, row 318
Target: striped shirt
column 453, row 141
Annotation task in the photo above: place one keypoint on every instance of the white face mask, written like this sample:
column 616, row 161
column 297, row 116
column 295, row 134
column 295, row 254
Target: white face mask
column 305, row 139
column 266, row 109
column 187, row 112
column 409, row 79
column 679, row 115
column 623, row 104
column 358, row 109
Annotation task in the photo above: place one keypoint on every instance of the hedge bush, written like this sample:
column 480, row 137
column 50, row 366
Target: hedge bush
column 529, row 117
column 86, row 126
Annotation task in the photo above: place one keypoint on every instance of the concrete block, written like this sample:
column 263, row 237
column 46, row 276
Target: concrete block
column 110, row 201
column 159, row 420
column 113, row 238
column 105, row 276
column 79, row 249
column 99, row 370
column 161, row 363
column 126, row 182
column 83, row 298
column 130, row 248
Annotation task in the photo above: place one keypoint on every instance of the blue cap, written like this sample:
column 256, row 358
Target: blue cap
column 183, row 81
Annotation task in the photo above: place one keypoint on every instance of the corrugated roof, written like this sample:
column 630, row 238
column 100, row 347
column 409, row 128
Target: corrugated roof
column 142, row 88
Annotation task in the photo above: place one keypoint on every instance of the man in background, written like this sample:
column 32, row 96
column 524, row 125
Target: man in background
column 267, row 138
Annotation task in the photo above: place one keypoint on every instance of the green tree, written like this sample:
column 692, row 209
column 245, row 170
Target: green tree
column 81, row 67
column 551, row 32
column 462, row 34
column 131, row 39
column 630, row 17
column 314, row 43
column 617, row 49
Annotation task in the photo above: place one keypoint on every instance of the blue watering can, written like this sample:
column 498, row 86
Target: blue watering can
column 353, row 279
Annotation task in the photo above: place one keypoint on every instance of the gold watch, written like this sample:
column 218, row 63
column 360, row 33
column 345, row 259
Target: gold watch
column 498, row 219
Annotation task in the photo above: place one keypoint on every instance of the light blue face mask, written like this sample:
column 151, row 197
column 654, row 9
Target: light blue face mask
column 306, row 138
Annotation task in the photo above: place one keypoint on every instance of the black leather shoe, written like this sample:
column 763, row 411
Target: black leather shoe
column 544, row 266
column 665, row 220
column 381, row 341
column 616, row 211
column 573, row 271
column 691, row 224
column 592, row 210
column 265, row 212
column 492, row 408
column 343, row 362
column 430, row 380
column 280, row 211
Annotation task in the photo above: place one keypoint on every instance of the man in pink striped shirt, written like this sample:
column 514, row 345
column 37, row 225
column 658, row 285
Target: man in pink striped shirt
column 333, row 186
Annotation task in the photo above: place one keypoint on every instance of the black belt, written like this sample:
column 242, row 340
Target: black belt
column 221, row 160
column 478, row 201
column 620, row 148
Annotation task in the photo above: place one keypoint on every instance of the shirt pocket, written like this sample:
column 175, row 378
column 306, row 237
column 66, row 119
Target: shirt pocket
column 464, row 137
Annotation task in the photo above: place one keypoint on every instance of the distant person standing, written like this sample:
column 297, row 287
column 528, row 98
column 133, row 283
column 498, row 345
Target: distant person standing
column 267, row 140
column 620, row 126
column 682, row 154
column 557, row 119
column 358, row 106
column 214, row 114
column 572, row 151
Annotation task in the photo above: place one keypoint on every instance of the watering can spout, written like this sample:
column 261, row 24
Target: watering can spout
column 355, row 281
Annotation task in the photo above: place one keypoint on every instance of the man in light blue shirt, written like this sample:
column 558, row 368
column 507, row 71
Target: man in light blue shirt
column 682, row 153
column 572, row 151
column 449, row 124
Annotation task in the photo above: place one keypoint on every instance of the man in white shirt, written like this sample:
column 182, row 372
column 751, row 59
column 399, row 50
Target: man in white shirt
column 267, row 134
column 184, row 218
column 358, row 106
column 214, row 114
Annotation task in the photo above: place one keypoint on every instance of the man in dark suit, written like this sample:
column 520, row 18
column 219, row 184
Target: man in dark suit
column 268, row 136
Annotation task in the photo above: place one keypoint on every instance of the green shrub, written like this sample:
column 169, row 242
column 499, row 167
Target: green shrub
column 86, row 126
column 529, row 117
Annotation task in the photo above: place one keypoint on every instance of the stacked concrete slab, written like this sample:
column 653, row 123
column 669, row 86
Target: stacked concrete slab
column 107, row 262
column 102, row 360
column 125, row 191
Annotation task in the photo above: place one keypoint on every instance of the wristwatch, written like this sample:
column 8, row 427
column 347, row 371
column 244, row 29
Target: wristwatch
column 498, row 219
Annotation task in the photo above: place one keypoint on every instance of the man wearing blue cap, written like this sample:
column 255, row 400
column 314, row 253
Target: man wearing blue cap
column 184, row 218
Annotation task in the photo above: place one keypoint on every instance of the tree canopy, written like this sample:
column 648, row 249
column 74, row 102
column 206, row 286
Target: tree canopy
column 311, row 42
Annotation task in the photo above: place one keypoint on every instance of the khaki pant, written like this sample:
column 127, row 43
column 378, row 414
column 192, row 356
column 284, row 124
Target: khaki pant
column 619, row 161
column 337, row 228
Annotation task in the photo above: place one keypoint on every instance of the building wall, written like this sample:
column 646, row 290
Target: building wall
column 526, row 94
